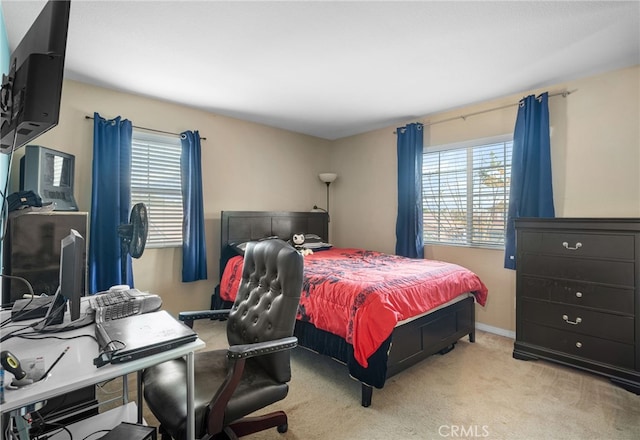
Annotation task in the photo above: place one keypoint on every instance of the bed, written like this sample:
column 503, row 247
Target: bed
column 376, row 313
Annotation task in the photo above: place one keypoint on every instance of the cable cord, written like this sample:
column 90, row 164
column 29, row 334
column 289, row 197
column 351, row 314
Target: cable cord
column 13, row 335
column 38, row 336
column 96, row 432
column 29, row 287
column 32, row 335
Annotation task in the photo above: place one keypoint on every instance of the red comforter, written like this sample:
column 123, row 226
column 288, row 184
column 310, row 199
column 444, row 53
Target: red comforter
column 361, row 295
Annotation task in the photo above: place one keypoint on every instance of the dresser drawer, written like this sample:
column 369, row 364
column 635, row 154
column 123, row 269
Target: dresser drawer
column 579, row 320
column 620, row 273
column 576, row 293
column 597, row 349
column 579, row 244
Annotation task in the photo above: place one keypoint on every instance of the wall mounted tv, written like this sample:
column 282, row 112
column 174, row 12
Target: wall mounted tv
column 30, row 100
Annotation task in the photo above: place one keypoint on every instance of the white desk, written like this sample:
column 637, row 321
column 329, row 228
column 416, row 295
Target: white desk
column 76, row 370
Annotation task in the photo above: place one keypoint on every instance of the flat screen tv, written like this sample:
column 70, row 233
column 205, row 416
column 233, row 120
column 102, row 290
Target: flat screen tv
column 30, row 99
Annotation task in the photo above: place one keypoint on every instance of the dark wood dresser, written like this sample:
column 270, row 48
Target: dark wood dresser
column 578, row 295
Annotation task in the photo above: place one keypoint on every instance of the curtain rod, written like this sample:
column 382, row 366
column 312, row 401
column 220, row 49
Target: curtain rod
column 464, row 117
column 153, row 129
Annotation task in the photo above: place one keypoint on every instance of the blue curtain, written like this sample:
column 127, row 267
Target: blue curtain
column 110, row 201
column 194, row 252
column 531, row 192
column 409, row 240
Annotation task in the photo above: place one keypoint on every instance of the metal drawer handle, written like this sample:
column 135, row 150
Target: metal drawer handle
column 566, row 246
column 566, row 319
column 579, row 344
column 579, row 294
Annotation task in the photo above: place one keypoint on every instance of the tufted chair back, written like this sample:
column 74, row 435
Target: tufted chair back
column 267, row 301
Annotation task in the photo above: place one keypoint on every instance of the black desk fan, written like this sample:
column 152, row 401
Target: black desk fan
column 133, row 236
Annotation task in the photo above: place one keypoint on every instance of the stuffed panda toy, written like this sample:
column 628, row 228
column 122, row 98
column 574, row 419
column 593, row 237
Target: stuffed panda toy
column 297, row 240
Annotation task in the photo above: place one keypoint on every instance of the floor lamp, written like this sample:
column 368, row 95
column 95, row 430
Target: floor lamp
column 328, row 178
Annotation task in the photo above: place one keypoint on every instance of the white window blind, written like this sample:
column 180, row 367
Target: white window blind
column 155, row 181
column 466, row 192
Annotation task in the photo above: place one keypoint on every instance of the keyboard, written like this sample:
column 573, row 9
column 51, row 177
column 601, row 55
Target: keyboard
column 121, row 304
column 118, row 311
column 109, row 298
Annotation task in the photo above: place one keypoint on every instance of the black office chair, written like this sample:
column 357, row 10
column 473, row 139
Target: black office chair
column 253, row 372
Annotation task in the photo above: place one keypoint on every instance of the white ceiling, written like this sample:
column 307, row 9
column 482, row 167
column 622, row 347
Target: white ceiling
column 334, row 69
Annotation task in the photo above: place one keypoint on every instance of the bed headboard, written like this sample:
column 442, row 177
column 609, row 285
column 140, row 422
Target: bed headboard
column 240, row 226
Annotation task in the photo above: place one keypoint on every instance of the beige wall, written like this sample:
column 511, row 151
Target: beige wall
column 596, row 172
column 246, row 166
column 595, row 146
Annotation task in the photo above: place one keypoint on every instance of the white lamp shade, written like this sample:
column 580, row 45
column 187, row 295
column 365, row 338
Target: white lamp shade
column 328, row 177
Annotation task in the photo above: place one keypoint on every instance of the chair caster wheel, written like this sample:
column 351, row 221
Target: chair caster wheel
column 283, row 428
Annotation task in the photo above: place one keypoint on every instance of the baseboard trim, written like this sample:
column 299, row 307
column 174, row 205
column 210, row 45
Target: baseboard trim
column 495, row 330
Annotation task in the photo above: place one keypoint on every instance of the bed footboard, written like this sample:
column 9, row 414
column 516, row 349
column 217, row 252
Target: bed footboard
column 430, row 334
column 410, row 343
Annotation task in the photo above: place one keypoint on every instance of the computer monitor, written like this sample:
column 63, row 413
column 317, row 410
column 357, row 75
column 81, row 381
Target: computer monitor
column 70, row 289
column 72, row 271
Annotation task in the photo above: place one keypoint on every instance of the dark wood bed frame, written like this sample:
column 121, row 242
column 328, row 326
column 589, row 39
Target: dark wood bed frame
column 411, row 342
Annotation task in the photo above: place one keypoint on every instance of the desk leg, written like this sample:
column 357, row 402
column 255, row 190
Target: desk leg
column 125, row 389
column 139, row 398
column 190, row 396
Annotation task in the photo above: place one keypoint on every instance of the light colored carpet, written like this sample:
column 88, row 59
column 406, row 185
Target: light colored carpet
column 476, row 391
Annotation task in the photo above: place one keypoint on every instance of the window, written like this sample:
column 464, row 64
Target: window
column 465, row 192
column 155, row 181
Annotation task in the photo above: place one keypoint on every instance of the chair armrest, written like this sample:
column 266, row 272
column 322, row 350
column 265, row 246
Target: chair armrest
column 261, row 348
column 189, row 317
column 238, row 355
